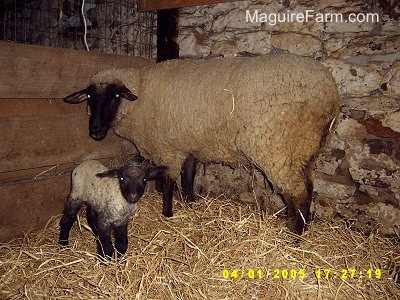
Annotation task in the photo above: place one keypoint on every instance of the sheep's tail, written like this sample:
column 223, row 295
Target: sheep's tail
column 328, row 132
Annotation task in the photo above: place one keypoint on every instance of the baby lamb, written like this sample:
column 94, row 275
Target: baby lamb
column 111, row 197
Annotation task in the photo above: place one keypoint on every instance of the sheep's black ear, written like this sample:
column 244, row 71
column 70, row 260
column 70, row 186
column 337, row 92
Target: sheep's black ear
column 156, row 172
column 127, row 94
column 109, row 173
column 77, row 97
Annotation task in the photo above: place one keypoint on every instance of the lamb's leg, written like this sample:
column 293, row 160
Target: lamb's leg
column 168, row 192
column 104, row 243
column 187, row 178
column 92, row 219
column 158, row 184
column 71, row 209
column 121, row 238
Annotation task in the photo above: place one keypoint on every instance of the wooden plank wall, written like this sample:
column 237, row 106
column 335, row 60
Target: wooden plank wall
column 41, row 137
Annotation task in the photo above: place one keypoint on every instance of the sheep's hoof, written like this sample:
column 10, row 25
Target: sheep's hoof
column 63, row 243
column 296, row 227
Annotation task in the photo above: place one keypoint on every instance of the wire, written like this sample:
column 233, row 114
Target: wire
column 84, row 26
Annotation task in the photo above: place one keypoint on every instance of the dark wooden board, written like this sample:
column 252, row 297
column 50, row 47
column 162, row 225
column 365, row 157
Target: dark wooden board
column 29, row 205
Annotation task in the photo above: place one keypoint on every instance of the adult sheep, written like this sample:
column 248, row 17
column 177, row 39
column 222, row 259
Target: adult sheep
column 274, row 111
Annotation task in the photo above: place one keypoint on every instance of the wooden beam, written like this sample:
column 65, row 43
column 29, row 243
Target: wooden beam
column 41, row 72
column 167, row 34
column 150, row 5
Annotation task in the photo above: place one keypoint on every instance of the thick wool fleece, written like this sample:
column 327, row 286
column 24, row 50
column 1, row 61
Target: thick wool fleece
column 273, row 111
column 103, row 194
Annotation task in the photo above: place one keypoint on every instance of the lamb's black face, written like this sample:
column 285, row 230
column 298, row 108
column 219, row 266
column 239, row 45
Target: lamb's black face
column 104, row 100
column 132, row 182
column 133, row 179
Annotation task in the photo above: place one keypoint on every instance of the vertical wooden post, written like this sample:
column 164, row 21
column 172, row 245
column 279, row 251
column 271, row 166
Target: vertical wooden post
column 167, row 34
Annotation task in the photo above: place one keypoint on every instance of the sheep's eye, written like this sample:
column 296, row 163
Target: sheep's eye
column 116, row 96
column 144, row 179
column 88, row 96
column 121, row 178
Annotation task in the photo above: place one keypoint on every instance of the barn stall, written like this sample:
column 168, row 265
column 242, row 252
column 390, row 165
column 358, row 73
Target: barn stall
column 225, row 246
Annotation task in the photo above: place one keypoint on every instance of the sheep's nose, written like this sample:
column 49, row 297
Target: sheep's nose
column 98, row 135
column 133, row 198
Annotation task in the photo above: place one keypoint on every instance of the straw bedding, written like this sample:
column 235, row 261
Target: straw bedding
column 184, row 258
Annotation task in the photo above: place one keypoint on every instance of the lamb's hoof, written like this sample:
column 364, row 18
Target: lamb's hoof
column 167, row 214
column 104, row 260
column 190, row 204
column 120, row 256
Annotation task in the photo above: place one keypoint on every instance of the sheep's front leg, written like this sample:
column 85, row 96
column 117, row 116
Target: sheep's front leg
column 187, row 178
column 121, row 238
column 168, row 192
column 71, row 208
column 104, row 243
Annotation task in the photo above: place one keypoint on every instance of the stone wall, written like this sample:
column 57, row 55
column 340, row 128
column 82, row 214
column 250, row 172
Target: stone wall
column 358, row 177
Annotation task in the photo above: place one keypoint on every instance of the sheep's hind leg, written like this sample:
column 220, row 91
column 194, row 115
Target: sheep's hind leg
column 299, row 209
column 297, row 192
column 121, row 239
column 187, row 178
column 71, row 208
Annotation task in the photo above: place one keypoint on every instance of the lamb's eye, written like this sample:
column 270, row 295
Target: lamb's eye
column 88, row 96
column 121, row 178
column 116, row 96
column 144, row 179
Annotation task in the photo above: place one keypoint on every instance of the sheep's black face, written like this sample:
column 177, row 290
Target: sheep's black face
column 103, row 103
column 103, row 100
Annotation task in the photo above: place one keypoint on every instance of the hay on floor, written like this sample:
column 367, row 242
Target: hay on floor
column 185, row 257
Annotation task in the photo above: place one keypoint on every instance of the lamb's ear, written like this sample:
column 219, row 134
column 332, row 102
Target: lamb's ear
column 109, row 173
column 127, row 94
column 156, row 172
column 77, row 97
